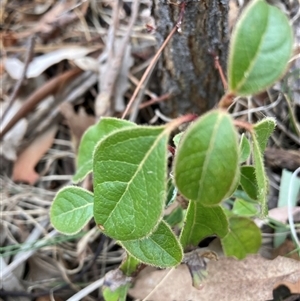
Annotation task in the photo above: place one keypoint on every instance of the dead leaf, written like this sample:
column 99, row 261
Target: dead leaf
column 87, row 64
column 11, row 141
column 77, row 122
column 38, row 8
column 281, row 213
column 287, row 249
column 24, row 166
column 57, row 17
column 39, row 64
column 251, row 279
column 8, row 39
column 293, row 287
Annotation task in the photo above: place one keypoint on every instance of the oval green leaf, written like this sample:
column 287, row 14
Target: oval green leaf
column 245, row 149
column 206, row 162
column 171, row 192
column 260, row 49
column 244, row 208
column 243, row 238
column 161, row 248
column 130, row 168
column 248, row 181
column 202, row 221
column 71, row 210
column 263, row 131
column 84, row 161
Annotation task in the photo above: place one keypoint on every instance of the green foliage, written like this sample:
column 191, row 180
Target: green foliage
column 177, row 139
column 161, row 248
column 120, row 280
column 244, row 208
column 71, row 210
column 243, row 238
column 263, row 131
column 171, row 192
column 260, row 48
column 203, row 221
column 248, row 181
column 175, row 217
column 130, row 165
column 119, row 294
column 260, row 135
column 208, row 154
column 91, row 137
column 245, row 149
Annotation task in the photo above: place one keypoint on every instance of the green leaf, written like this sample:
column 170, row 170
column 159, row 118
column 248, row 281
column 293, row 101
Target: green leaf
column 116, row 285
column 119, row 294
column 245, row 149
column 171, row 192
column 175, row 217
column 71, row 210
column 130, row 168
column 89, row 140
column 243, row 208
column 261, row 178
column 206, row 163
column 243, row 238
column 263, row 131
column 243, row 195
column 202, row 221
column 160, row 249
column 177, row 139
column 260, row 135
column 261, row 46
column 248, row 181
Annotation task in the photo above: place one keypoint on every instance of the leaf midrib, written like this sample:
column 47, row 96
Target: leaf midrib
column 209, row 153
column 253, row 61
column 75, row 209
column 136, row 172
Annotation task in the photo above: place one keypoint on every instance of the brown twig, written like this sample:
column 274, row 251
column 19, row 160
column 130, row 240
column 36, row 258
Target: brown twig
column 226, row 101
column 51, row 87
column 155, row 100
column 221, row 72
column 244, row 125
column 28, row 56
column 154, row 60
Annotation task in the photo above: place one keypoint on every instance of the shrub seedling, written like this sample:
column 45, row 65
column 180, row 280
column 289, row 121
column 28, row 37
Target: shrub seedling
column 129, row 165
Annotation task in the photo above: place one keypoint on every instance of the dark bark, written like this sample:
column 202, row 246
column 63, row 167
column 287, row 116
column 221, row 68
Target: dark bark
column 186, row 67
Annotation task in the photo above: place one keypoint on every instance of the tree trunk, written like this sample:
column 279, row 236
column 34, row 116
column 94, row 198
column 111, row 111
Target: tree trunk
column 186, row 68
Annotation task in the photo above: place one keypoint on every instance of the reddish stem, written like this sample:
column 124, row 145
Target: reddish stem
column 244, row 125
